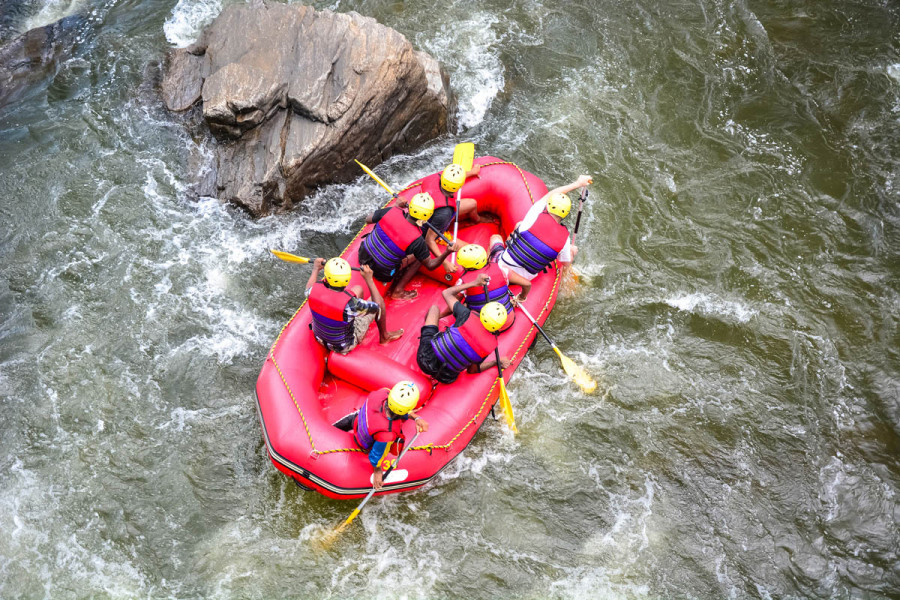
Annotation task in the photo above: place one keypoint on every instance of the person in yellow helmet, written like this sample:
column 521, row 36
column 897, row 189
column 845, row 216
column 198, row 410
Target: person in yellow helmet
column 442, row 187
column 340, row 316
column 378, row 424
column 397, row 236
column 468, row 344
column 473, row 261
column 539, row 238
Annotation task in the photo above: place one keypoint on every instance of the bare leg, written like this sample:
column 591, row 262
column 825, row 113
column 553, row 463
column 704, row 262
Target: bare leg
column 433, row 316
column 385, row 336
column 468, row 207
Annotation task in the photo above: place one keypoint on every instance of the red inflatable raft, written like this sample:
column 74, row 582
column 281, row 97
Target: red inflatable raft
column 303, row 389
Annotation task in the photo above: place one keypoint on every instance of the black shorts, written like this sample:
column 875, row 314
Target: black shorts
column 441, row 219
column 428, row 360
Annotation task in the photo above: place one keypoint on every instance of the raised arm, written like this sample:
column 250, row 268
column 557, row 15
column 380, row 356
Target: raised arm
column 580, row 182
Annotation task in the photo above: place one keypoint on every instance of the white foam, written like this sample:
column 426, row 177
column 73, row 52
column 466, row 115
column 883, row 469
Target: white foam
column 590, row 583
column 200, row 279
column 470, row 51
column 709, row 304
column 182, row 418
column 893, row 72
column 52, row 11
column 465, row 462
column 188, row 19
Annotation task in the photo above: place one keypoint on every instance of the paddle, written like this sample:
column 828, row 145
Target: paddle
column 329, row 537
column 581, row 200
column 584, row 381
column 505, row 403
column 371, row 174
column 395, row 195
column 464, row 156
column 288, row 257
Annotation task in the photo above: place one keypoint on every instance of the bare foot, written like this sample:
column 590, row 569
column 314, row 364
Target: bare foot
column 404, row 294
column 391, row 336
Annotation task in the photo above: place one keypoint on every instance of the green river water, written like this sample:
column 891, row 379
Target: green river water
column 739, row 307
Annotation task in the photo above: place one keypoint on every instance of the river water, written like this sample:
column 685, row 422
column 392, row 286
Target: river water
column 739, row 306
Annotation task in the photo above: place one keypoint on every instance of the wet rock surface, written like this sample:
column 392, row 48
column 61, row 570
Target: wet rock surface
column 293, row 95
column 29, row 60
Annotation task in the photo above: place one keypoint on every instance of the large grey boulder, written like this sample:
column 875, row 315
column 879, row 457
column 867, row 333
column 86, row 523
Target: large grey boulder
column 293, row 95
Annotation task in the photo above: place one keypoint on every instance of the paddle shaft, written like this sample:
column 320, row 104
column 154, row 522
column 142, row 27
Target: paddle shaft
column 377, row 179
column 396, row 195
column 503, row 397
column 541, row 329
column 584, row 195
column 386, row 473
column 439, row 234
column 497, row 336
column 463, row 155
column 456, row 220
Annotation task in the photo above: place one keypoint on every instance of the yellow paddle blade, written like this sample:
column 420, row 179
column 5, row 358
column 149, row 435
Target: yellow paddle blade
column 329, row 537
column 579, row 375
column 288, row 257
column 568, row 281
column 506, row 405
column 349, row 520
column 375, row 177
column 464, row 155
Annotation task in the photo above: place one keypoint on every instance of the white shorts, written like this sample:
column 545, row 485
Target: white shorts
column 507, row 264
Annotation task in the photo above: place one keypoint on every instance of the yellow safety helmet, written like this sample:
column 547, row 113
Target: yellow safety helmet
column 471, row 256
column 493, row 316
column 403, row 397
column 453, row 178
column 559, row 205
column 421, row 206
column 337, row 272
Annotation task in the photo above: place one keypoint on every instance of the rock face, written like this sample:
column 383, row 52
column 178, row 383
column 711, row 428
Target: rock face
column 29, row 60
column 293, row 95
